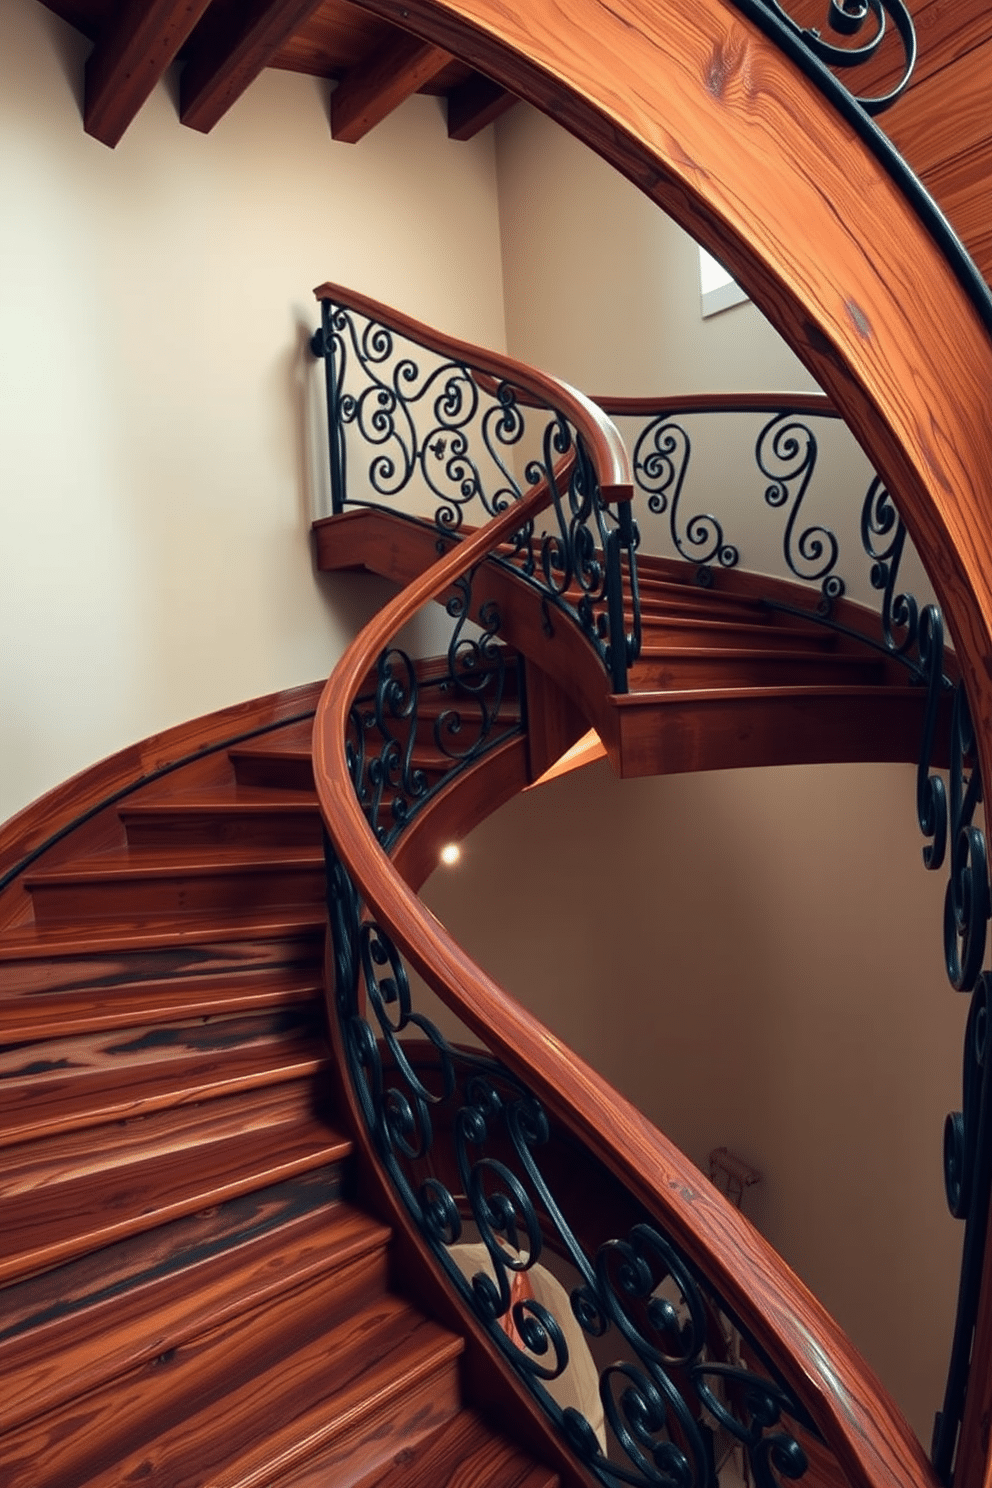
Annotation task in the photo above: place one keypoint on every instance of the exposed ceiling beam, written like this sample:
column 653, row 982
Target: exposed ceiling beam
column 231, row 54
column 131, row 55
column 374, row 88
column 474, row 104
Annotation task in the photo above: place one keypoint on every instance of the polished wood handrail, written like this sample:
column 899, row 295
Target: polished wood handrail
column 602, row 440
column 716, row 125
column 871, row 1440
column 618, row 406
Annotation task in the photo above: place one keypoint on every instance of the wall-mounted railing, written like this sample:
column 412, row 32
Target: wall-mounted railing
column 775, row 484
column 429, row 427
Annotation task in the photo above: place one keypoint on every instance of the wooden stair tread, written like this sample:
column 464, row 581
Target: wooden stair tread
column 161, row 862
column 95, row 1078
column 133, row 1176
column 29, row 1015
column 94, row 1146
column 464, row 1453
column 163, row 1288
column 666, row 697
column 32, row 940
column 247, row 1404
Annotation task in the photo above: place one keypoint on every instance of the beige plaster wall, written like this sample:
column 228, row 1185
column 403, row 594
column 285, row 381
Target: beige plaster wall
column 160, row 449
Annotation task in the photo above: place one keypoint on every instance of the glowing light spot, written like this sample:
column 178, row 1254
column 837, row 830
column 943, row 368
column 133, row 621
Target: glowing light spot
column 450, row 853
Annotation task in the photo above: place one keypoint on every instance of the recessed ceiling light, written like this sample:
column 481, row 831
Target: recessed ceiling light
column 450, row 853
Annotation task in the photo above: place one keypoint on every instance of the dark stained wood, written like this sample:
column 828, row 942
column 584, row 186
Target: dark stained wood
column 162, row 1296
column 473, row 105
column 554, row 722
column 229, row 52
column 375, row 87
column 466, row 1454
column 674, row 732
column 42, row 1228
column 130, row 58
column 145, row 883
column 335, row 37
column 98, row 1079
column 97, row 1002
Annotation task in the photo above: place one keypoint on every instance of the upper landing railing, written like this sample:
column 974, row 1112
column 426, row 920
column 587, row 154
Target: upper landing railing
column 427, row 426
column 430, row 428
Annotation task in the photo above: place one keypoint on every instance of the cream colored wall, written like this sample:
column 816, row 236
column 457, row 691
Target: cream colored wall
column 754, row 957
column 158, row 455
column 603, row 290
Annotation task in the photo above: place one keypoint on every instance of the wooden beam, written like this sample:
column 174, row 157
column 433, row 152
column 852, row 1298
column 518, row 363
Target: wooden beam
column 131, row 56
column 474, row 104
column 373, row 89
column 232, row 53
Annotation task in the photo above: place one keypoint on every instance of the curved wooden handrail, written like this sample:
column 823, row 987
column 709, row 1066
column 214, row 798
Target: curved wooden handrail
column 602, row 440
column 641, row 407
column 716, row 125
column 872, row 1442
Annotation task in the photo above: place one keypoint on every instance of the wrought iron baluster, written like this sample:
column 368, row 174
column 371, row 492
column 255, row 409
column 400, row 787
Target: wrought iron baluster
column 456, row 430
column 465, row 1142
column 967, row 906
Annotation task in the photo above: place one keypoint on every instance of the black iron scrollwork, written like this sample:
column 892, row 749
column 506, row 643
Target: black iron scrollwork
column 946, row 816
column 661, row 461
column 849, row 19
column 786, row 452
column 439, row 423
column 467, row 1148
column 900, row 612
column 407, row 736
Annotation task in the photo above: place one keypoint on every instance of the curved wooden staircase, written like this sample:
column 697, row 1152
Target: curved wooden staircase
column 199, row 1279
column 190, row 1292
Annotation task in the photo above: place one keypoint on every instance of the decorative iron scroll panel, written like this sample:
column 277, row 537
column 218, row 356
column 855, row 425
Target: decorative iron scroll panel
column 413, row 732
column 472, row 1154
column 429, row 437
column 946, row 815
column 751, row 465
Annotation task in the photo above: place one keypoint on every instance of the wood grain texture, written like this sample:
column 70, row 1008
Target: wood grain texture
column 88, row 791
column 183, row 1294
column 130, row 58
column 371, row 90
column 229, row 50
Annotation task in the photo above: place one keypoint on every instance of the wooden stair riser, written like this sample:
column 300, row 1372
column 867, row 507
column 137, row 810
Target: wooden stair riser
column 702, row 669
column 134, row 890
column 224, row 823
column 91, row 958
column 136, row 1183
column 461, row 1453
column 99, row 1078
column 662, row 630
column 34, row 1015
